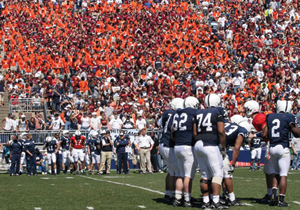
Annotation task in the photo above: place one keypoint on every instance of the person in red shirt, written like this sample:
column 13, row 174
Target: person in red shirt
column 76, row 149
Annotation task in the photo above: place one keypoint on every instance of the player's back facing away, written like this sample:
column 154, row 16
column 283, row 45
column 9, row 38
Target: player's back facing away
column 167, row 121
column 279, row 128
column 207, row 128
column 232, row 131
column 183, row 122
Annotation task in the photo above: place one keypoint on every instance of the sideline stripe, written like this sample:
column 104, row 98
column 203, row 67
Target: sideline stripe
column 124, row 184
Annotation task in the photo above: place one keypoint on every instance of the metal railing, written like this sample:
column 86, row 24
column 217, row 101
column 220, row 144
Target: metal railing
column 27, row 105
column 39, row 136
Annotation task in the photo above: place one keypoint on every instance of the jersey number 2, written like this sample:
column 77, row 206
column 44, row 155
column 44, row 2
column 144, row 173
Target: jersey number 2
column 275, row 125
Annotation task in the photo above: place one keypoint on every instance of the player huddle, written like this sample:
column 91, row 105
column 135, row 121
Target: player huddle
column 194, row 137
column 77, row 151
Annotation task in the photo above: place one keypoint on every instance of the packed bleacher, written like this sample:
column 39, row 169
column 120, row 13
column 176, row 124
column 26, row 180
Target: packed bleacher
column 132, row 57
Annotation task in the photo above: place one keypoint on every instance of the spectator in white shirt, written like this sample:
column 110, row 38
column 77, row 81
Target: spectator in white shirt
column 57, row 123
column 95, row 122
column 115, row 123
column 237, row 82
column 14, row 122
column 140, row 123
column 8, row 123
column 260, row 74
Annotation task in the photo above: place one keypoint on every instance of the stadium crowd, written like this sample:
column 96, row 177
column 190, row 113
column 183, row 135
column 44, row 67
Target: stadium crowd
column 134, row 56
column 112, row 65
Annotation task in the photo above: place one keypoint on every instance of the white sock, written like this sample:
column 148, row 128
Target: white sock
column 178, row 195
column 187, row 197
column 205, row 199
column 216, row 198
column 50, row 172
column 231, row 196
column 55, row 171
column 269, row 191
column 274, row 191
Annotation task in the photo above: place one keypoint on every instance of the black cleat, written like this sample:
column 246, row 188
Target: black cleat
column 177, row 202
column 187, row 204
column 193, row 200
column 223, row 200
column 274, row 200
column 90, row 172
column 218, row 206
column 265, row 200
column 205, row 206
column 167, row 199
column 235, row 203
column 258, row 168
column 283, row 204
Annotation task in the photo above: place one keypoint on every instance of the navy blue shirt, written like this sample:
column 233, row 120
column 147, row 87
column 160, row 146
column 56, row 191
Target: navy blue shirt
column 30, row 146
column 279, row 128
column 256, row 142
column 167, row 121
column 51, row 146
column 134, row 149
column 39, row 157
column 93, row 143
column 65, row 143
column 122, row 144
column 232, row 131
column 183, row 123
column 22, row 141
column 207, row 125
column 68, row 115
column 105, row 140
column 15, row 147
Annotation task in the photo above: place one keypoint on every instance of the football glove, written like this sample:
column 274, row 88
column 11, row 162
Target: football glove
column 223, row 152
column 231, row 169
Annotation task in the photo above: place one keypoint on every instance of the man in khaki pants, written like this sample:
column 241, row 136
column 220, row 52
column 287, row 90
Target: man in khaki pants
column 144, row 145
column 106, row 153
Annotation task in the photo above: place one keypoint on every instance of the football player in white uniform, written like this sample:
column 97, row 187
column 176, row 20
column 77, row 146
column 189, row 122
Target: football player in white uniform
column 166, row 148
column 182, row 131
column 64, row 144
column 209, row 132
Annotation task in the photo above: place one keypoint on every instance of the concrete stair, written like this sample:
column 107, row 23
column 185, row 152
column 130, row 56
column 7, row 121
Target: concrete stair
column 4, row 110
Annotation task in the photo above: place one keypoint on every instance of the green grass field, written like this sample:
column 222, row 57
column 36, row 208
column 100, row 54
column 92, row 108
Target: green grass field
column 131, row 191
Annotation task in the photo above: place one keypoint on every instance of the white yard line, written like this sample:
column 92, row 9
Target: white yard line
column 248, row 204
column 296, row 202
column 142, row 207
column 37, row 208
column 90, row 208
column 124, row 184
